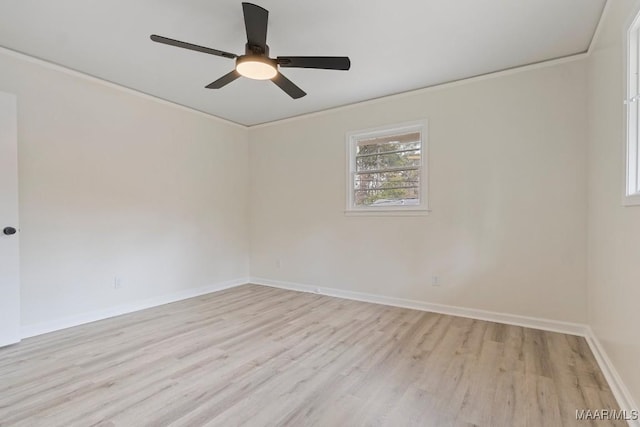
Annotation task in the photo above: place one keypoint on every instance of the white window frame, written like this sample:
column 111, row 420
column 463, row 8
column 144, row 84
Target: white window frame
column 632, row 100
column 352, row 139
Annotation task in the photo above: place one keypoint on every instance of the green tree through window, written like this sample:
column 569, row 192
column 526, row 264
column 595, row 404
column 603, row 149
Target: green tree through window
column 387, row 170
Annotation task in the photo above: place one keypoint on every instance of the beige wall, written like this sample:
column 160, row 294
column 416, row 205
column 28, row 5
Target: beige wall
column 507, row 187
column 117, row 184
column 614, row 230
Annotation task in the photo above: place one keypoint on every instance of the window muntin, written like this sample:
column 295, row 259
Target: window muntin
column 387, row 169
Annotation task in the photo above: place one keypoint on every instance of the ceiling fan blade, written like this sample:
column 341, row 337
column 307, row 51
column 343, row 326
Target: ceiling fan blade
column 255, row 22
column 185, row 45
column 322, row 62
column 288, row 86
column 224, row 80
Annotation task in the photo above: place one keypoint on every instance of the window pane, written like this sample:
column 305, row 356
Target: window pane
column 634, row 151
column 385, row 168
column 387, row 188
column 408, row 158
column 389, row 143
column 636, row 168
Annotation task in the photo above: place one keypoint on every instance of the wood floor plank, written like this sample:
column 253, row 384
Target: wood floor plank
column 260, row 356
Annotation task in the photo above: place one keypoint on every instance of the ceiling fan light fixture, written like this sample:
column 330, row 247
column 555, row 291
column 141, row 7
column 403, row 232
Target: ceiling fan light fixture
column 256, row 63
column 256, row 67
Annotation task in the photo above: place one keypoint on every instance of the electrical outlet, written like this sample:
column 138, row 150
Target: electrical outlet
column 435, row 280
column 117, row 282
column 278, row 263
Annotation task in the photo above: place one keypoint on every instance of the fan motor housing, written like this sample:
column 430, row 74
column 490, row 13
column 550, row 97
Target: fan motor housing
column 256, row 50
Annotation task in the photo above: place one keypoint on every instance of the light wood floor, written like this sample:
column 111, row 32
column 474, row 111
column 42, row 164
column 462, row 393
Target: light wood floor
column 260, row 356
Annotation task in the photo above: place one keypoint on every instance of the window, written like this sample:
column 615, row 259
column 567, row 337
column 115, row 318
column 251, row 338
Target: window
column 632, row 177
column 387, row 170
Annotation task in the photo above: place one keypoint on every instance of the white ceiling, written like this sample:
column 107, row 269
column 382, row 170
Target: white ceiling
column 394, row 46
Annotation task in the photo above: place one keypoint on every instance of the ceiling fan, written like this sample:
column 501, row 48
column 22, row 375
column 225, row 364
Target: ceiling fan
column 256, row 63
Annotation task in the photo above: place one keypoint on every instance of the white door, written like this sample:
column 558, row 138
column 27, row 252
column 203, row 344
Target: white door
column 9, row 261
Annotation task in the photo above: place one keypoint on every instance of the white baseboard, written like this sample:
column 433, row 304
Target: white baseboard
column 620, row 391
column 491, row 316
column 80, row 319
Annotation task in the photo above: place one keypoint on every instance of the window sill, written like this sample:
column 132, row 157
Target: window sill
column 631, row 200
column 387, row 212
